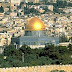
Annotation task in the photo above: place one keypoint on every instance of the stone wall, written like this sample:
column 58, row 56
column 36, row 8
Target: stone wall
column 46, row 68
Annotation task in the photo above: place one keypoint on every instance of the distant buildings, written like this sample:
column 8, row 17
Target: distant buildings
column 14, row 19
column 34, row 1
column 15, row 2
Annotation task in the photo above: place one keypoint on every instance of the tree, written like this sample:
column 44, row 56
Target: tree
column 36, row 3
column 54, row 71
column 70, row 47
column 65, row 3
column 61, row 4
column 25, row 49
column 29, row 58
column 1, row 9
column 13, row 35
column 21, row 4
column 18, row 14
column 63, row 38
column 57, row 71
column 11, row 50
column 16, row 63
column 5, row 64
column 1, row 58
column 9, row 9
column 55, row 19
column 70, row 4
column 30, row 3
column 32, row 57
column 70, row 39
column 51, row 52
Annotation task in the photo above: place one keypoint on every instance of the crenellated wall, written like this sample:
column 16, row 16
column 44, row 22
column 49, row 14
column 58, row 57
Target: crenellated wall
column 46, row 68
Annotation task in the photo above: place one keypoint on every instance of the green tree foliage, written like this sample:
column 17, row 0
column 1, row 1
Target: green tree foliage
column 18, row 14
column 21, row 4
column 25, row 49
column 49, row 55
column 30, row 3
column 1, row 58
column 13, row 35
column 9, row 9
column 11, row 51
column 70, row 48
column 70, row 4
column 16, row 63
column 45, row 1
column 1, row 9
column 31, row 10
column 5, row 64
column 63, row 38
column 60, row 4
column 50, row 51
column 54, row 71
column 57, row 71
column 36, row 3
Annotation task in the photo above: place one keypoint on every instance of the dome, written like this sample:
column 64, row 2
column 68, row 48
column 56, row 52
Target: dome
column 35, row 24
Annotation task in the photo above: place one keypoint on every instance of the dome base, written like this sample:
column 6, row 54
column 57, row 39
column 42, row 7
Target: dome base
column 35, row 33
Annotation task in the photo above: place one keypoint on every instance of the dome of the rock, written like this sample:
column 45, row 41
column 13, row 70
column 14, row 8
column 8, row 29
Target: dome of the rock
column 35, row 24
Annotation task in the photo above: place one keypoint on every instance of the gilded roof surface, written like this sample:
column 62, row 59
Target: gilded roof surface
column 35, row 24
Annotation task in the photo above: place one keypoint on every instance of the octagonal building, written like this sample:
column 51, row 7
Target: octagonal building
column 35, row 35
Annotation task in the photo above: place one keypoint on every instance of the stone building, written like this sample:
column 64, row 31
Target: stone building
column 35, row 35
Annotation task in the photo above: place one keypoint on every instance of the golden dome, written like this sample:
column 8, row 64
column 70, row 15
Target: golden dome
column 34, row 24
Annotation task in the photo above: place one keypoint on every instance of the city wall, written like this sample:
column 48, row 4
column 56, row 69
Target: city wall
column 46, row 68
